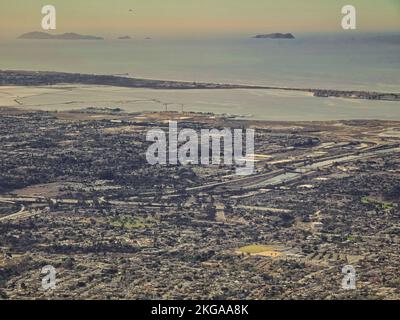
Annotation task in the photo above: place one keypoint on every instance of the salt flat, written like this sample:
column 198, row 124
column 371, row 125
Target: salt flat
column 247, row 103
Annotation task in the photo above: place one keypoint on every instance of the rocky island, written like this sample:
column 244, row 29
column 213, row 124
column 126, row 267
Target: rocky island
column 275, row 36
column 65, row 36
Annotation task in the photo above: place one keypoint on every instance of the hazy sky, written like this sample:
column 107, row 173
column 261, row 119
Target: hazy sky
column 196, row 17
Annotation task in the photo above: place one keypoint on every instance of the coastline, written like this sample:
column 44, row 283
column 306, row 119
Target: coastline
column 274, row 105
column 40, row 78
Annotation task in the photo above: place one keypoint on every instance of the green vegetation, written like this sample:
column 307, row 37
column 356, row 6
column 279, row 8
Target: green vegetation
column 129, row 222
column 352, row 238
column 380, row 204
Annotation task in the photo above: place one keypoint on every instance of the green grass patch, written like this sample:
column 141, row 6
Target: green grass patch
column 129, row 222
column 365, row 200
column 352, row 238
column 381, row 204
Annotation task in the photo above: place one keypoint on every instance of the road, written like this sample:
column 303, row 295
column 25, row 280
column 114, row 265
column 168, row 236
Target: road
column 257, row 181
column 21, row 213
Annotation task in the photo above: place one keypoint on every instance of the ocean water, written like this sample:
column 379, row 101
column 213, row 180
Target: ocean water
column 346, row 61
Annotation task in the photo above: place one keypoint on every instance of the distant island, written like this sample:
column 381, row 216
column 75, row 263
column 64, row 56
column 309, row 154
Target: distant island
column 125, row 38
column 275, row 36
column 65, row 36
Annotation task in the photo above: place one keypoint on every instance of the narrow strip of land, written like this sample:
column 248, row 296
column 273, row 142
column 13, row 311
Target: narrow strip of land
column 40, row 78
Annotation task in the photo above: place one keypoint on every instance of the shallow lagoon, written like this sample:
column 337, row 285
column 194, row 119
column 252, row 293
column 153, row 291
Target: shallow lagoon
column 254, row 104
